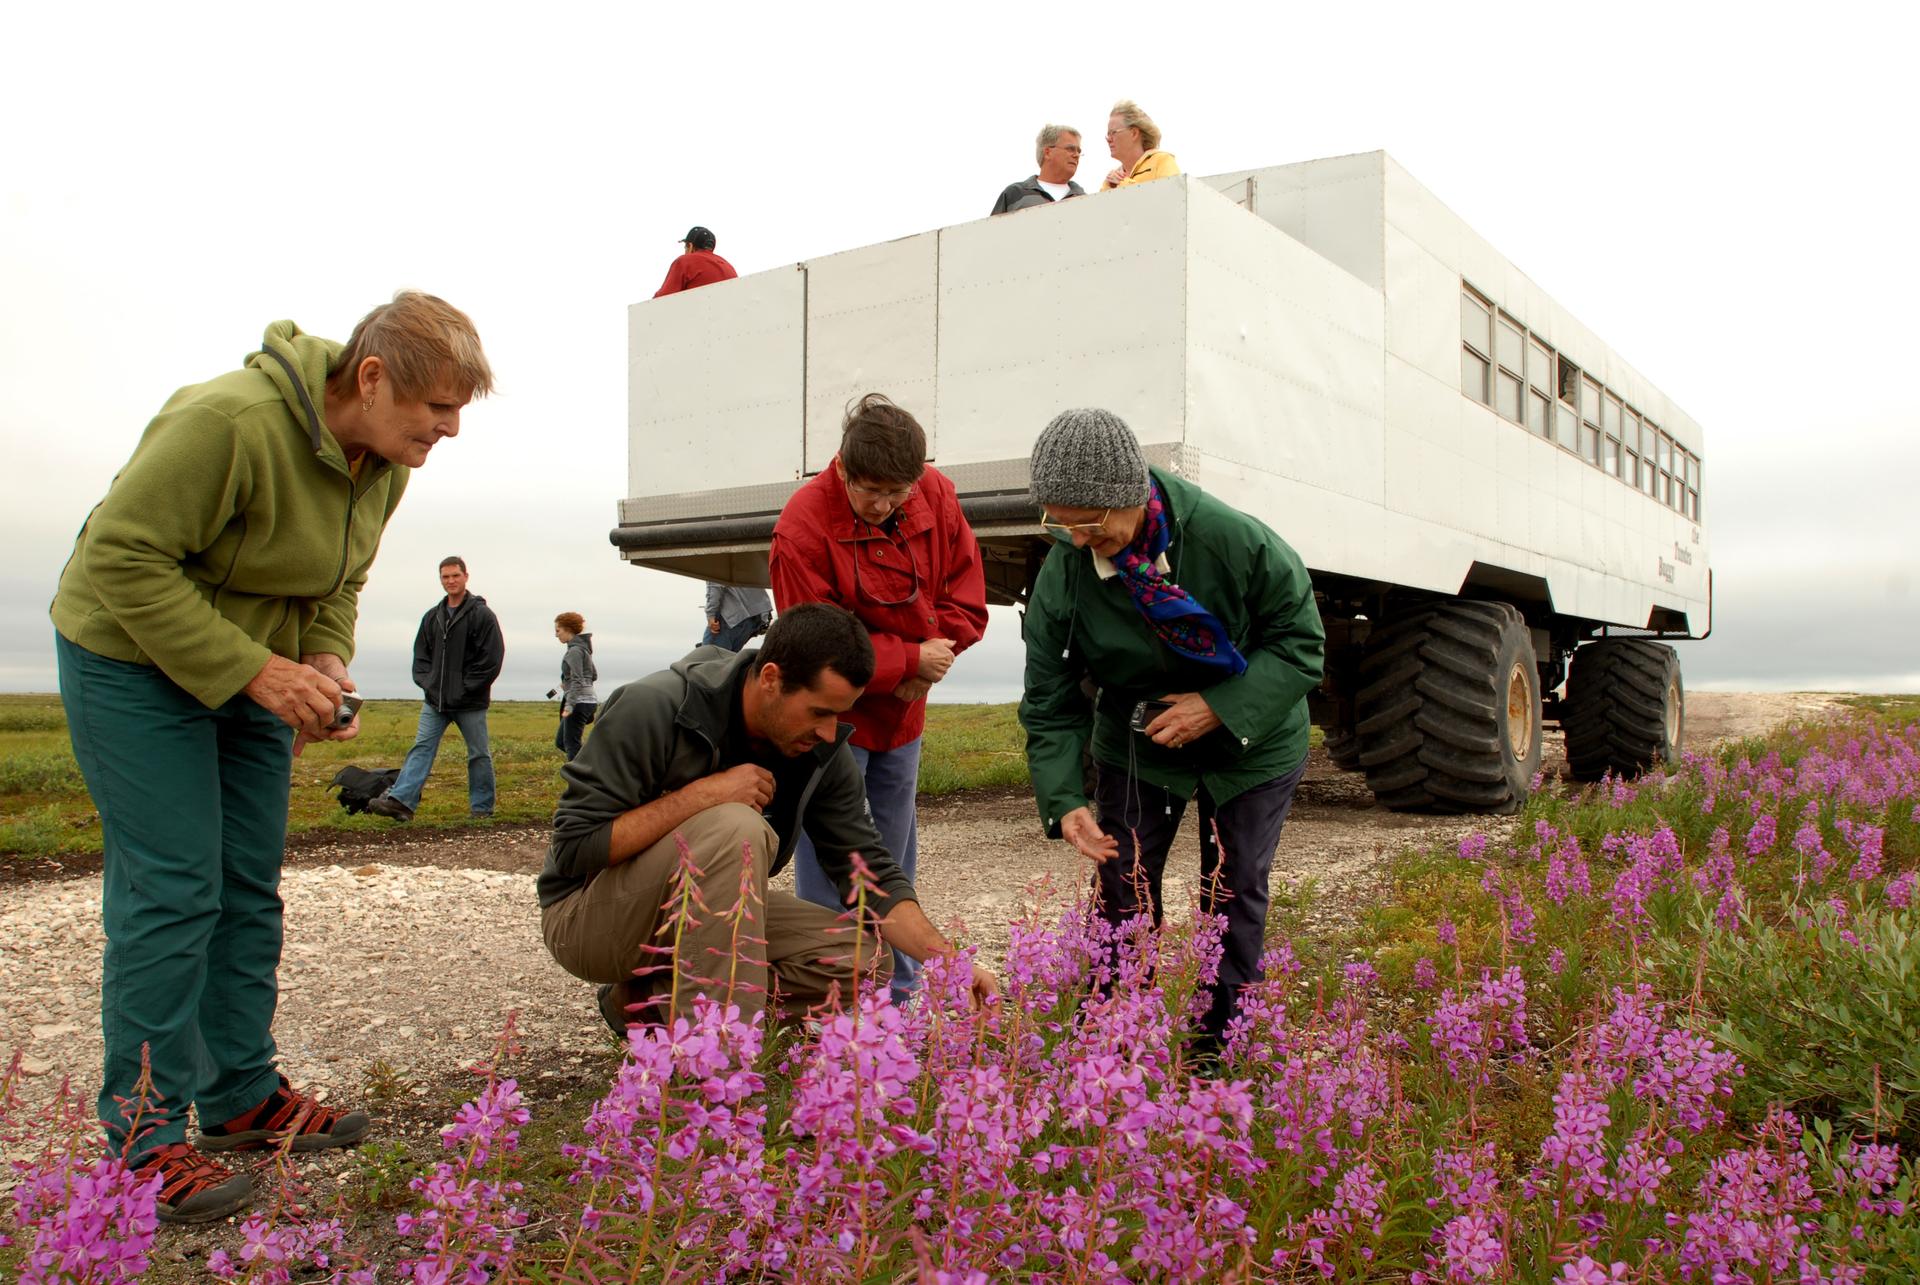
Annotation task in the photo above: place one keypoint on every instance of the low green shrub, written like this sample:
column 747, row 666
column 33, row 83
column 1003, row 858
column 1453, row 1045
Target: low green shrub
column 1822, row 1007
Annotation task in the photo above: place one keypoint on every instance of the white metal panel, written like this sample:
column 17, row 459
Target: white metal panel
column 1079, row 304
column 1274, row 380
column 1332, row 206
column 714, row 381
column 871, row 328
column 1422, row 309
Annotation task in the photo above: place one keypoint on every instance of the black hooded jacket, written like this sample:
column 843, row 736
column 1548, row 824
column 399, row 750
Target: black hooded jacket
column 458, row 654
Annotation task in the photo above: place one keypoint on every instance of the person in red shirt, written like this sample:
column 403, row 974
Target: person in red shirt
column 697, row 265
column 881, row 534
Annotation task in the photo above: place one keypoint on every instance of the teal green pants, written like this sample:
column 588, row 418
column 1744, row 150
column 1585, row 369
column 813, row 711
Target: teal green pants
column 193, row 819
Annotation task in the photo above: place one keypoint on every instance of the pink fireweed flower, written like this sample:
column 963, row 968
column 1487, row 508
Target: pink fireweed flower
column 1726, row 911
column 1470, row 1248
column 1445, row 933
column 1873, row 1168
column 1763, row 835
column 1900, row 890
column 1470, row 1029
column 1467, row 1179
column 1585, row 1271
column 1868, row 841
column 1556, row 961
column 92, row 1223
column 1360, row 975
column 1424, row 974
column 1473, row 847
column 1567, row 872
column 1574, row 1153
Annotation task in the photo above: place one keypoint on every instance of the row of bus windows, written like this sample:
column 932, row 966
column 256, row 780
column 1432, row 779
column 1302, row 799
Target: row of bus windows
column 1518, row 375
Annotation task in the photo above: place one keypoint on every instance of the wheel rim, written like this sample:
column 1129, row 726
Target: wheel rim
column 1672, row 712
column 1520, row 711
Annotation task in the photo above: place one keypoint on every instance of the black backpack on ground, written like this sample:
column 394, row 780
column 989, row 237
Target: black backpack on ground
column 358, row 786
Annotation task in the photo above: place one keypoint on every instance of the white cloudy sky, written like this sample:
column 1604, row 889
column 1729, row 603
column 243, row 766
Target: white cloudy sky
column 1728, row 202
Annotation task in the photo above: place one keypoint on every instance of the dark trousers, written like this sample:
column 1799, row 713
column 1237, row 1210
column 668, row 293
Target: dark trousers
column 1145, row 818
column 573, row 729
column 193, row 827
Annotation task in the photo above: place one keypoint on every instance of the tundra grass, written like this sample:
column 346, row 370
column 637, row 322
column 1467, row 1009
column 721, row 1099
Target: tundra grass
column 45, row 809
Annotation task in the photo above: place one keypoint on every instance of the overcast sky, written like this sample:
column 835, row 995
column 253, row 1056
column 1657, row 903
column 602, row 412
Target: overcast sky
column 1728, row 204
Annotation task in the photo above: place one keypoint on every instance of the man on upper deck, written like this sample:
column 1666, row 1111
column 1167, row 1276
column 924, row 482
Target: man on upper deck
column 1058, row 152
column 697, row 265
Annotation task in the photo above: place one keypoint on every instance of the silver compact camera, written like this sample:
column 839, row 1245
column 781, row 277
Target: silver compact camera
column 344, row 716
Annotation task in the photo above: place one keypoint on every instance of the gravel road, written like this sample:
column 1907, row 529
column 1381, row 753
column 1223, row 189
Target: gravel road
column 411, row 952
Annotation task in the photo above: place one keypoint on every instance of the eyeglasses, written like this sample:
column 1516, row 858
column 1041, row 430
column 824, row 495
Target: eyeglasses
column 1065, row 530
column 868, row 493
column 913, row 567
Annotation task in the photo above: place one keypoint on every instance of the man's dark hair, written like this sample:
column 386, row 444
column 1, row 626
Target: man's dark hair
column 454, row 561
column 814, row 636
column 882, row 442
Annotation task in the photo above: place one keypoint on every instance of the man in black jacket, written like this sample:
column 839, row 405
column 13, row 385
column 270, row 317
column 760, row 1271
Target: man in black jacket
column 456, row 656
column 1058, row 152
column 690, row 795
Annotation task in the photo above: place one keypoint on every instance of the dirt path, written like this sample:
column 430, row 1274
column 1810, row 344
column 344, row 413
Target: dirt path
column 410, row 952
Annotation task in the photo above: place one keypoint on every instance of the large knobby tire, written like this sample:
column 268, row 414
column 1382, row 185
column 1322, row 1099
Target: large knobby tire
column 1343, row 747
column 1625, row 711
column 1449, row 710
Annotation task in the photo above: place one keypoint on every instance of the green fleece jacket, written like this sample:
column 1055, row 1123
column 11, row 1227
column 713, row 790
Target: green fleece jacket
column 235, row 532
column 1079, row 625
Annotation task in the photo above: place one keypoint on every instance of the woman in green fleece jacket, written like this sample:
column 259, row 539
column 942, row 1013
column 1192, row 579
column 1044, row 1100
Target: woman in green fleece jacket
column 1197, row 626
column 204, row 626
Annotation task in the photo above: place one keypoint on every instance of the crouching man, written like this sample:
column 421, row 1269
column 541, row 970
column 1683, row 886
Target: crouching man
column 733, row 756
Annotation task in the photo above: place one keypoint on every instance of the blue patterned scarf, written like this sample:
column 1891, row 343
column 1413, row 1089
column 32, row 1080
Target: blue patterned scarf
column 1170, row 611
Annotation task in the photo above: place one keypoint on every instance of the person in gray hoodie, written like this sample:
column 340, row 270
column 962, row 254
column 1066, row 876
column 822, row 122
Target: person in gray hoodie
column 577, row 674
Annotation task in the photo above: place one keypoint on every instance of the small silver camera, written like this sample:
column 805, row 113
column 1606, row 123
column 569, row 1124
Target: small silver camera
column 344, row 716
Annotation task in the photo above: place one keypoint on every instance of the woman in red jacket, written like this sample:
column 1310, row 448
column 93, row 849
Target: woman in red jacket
column 881, row 534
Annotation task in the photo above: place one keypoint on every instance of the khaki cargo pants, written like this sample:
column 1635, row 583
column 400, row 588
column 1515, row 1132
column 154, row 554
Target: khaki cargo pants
column 720, row 932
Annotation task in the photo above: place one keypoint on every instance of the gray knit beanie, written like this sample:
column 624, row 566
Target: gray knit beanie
column 1088, row 459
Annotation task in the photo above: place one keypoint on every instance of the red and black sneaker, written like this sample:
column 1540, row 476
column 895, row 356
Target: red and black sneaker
column 194, row 1189
column 286, row 1110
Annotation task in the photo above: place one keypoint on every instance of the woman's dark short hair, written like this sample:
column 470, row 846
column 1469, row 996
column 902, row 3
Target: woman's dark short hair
column 882, row 442
column 814, row 636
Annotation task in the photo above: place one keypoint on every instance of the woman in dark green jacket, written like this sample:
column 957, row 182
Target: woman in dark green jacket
column 204, row 626
column 1197, row 627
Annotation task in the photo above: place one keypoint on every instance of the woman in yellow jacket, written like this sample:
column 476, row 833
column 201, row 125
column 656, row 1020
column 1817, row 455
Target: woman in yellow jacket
column 1134, row 140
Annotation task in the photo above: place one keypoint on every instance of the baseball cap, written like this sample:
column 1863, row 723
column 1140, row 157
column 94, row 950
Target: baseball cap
column 699, row 238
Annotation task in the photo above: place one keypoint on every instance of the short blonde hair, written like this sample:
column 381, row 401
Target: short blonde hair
column 1049, row 135
column 421, row 340
column 571, row 621
column 1131, row 117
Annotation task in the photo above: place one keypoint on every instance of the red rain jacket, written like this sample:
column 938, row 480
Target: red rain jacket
column 819, row 544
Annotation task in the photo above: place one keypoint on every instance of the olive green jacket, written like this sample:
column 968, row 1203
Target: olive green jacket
column 1079, row 625
column 235, row 532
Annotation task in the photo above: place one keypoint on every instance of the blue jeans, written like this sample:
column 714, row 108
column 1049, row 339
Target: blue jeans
column 734, row 637
column 426, row 745
column 193, row 827
column 893, row 780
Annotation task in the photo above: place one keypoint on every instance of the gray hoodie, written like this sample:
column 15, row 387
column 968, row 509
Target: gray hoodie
column 577, row 672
